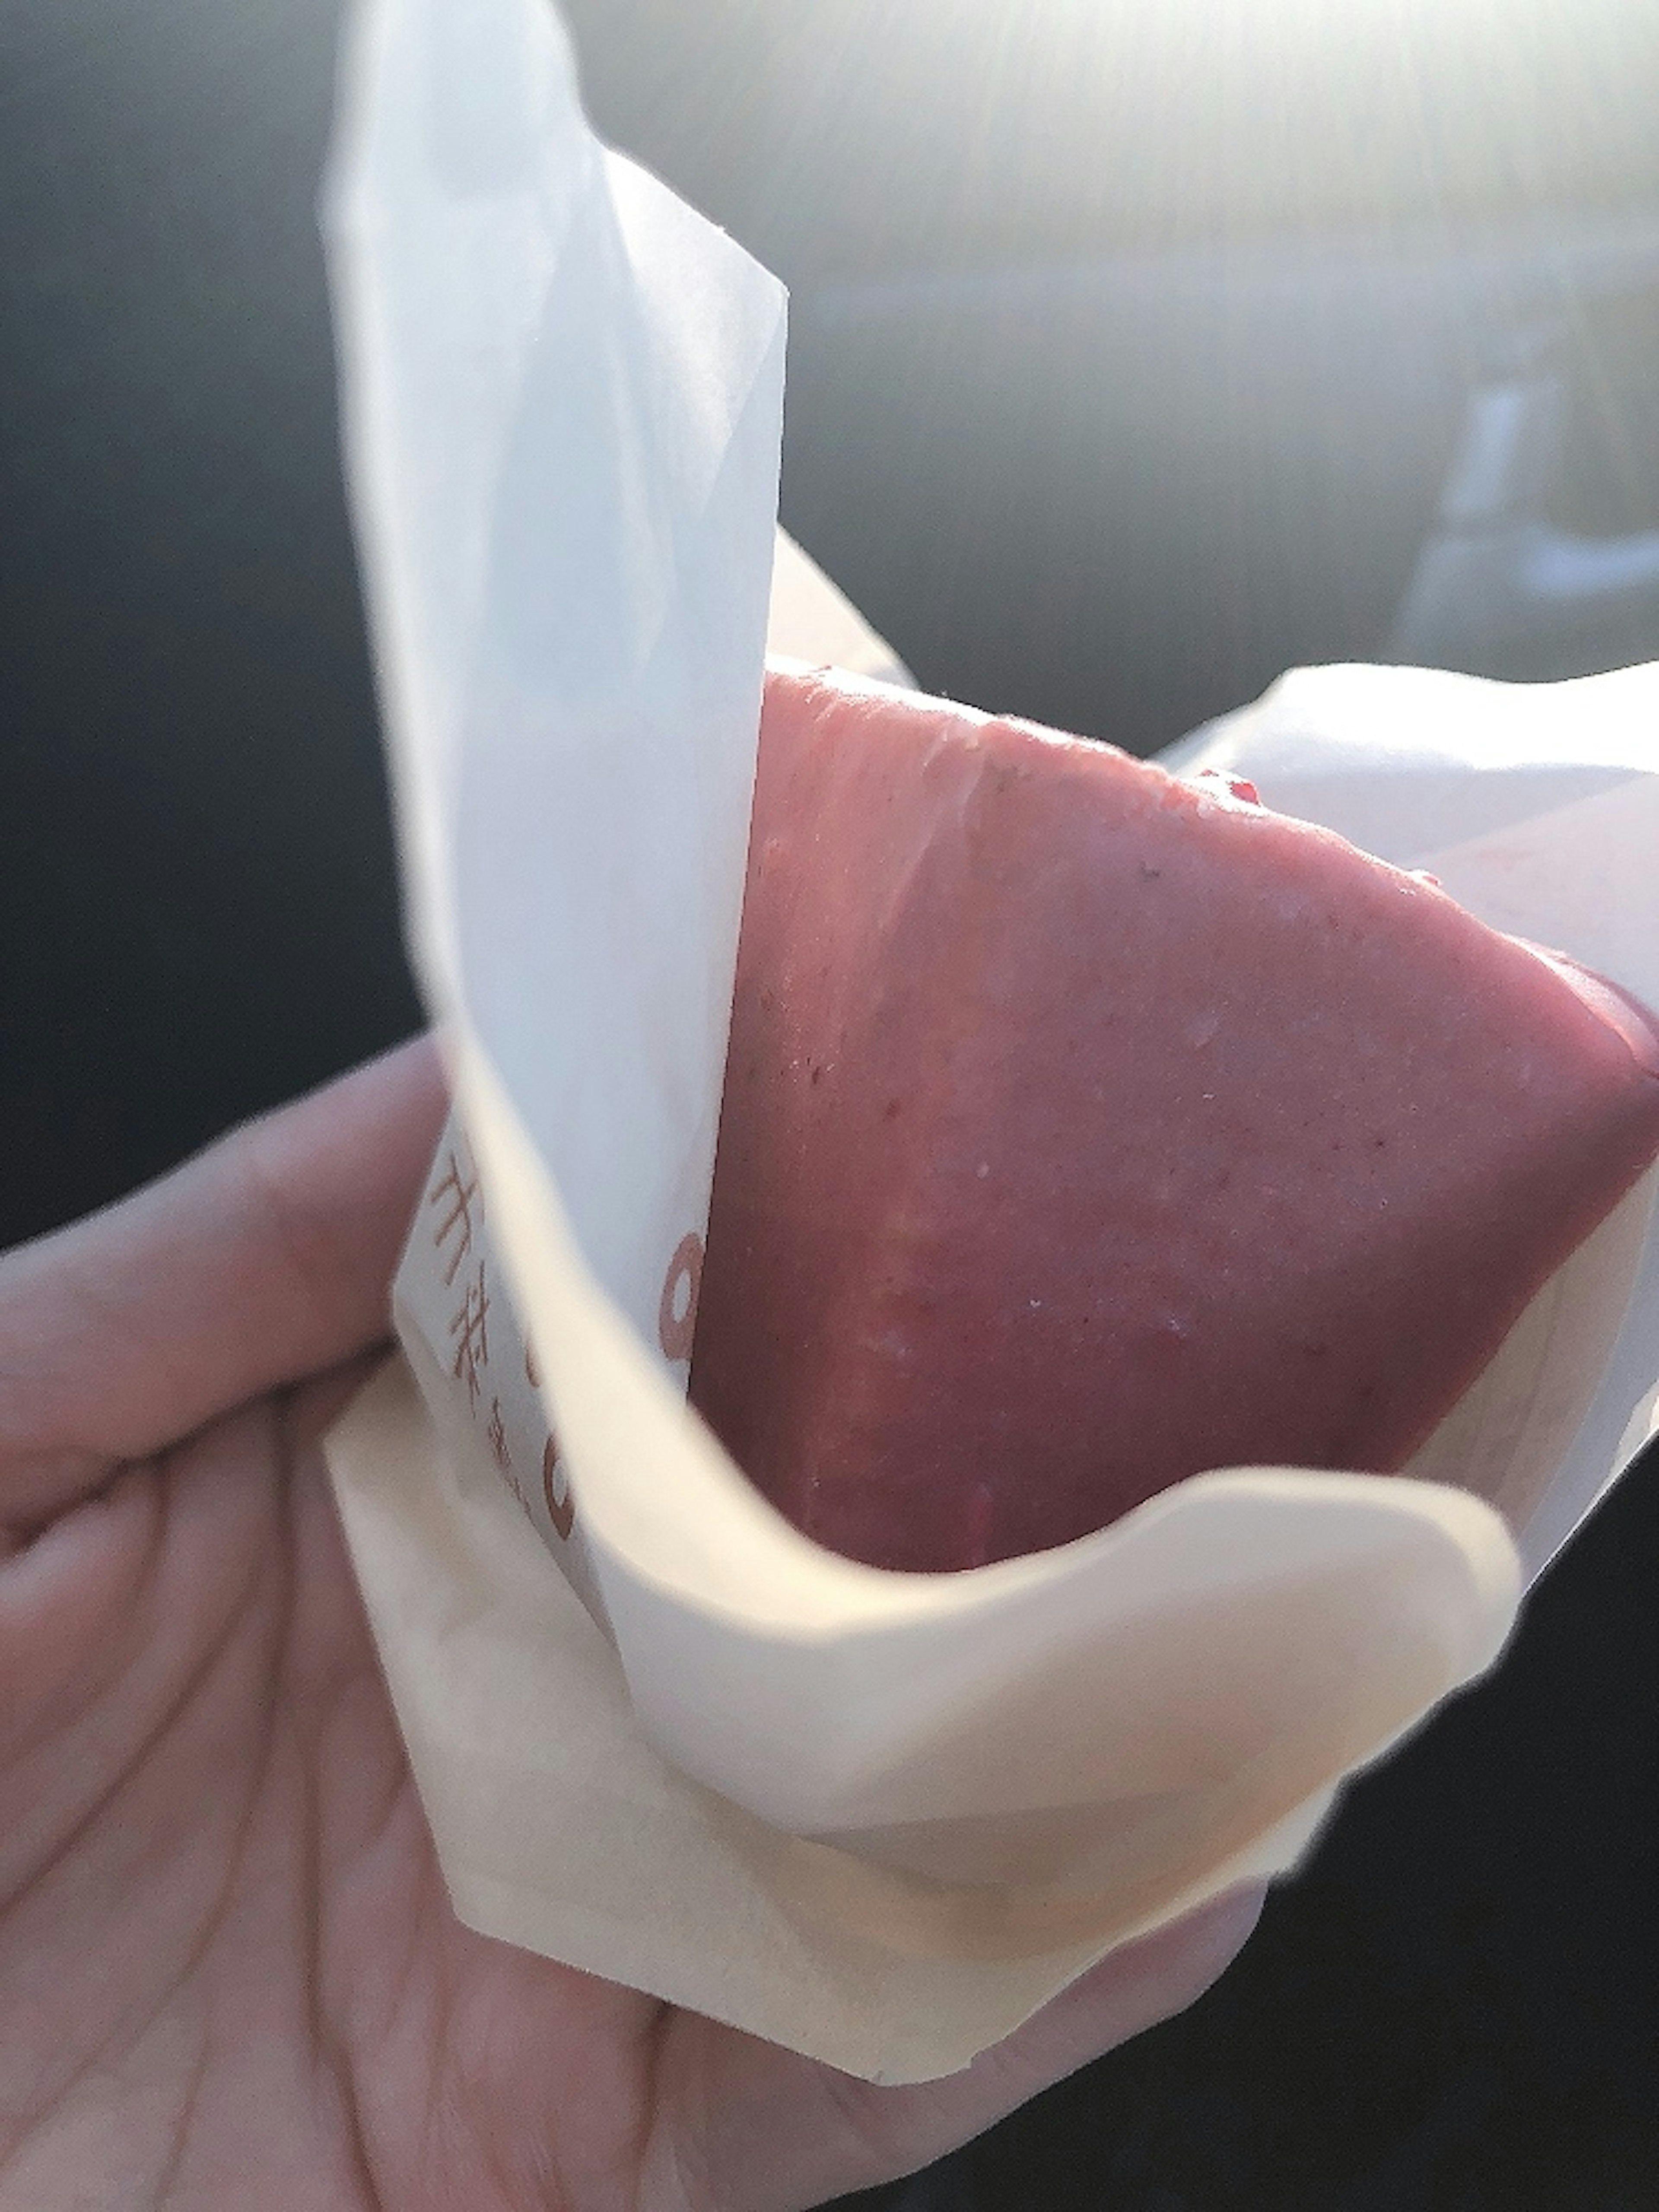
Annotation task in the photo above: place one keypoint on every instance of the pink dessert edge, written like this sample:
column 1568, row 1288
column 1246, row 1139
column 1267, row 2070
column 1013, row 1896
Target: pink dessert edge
column 1085, row 1128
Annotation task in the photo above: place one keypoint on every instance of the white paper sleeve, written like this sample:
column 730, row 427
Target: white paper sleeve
column 658, row 1733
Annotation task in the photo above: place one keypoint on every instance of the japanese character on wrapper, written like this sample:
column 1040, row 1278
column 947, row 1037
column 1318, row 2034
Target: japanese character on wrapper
column 477, row 1371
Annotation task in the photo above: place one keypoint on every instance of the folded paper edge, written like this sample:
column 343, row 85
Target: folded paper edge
column 378, row 1446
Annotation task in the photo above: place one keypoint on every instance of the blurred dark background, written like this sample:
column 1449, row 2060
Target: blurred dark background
column 1138, row 352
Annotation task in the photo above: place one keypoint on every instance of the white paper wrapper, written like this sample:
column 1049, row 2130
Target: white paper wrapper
column 878, row 1818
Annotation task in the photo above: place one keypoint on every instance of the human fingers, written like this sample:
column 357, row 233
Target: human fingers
column 745, row 2127
column 266, row 1258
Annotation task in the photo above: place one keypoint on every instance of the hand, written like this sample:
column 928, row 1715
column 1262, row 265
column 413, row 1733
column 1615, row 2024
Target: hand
column 229, row 1976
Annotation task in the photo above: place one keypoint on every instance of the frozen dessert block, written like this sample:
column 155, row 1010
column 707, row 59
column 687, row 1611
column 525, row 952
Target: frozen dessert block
column 1085, row 1128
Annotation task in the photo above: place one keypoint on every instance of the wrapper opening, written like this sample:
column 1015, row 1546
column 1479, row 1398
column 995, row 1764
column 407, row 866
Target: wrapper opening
column 877, row 1817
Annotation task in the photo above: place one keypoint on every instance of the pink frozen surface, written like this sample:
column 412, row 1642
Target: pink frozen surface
column 1084, row 1128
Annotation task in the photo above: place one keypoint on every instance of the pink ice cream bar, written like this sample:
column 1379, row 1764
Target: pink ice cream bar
column 1085, row 1128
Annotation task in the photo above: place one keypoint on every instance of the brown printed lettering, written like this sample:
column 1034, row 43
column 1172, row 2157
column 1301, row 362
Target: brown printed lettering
column 676, row 1315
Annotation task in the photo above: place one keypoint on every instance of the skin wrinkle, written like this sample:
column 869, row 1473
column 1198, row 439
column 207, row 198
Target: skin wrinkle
column 309, row 1904
column 161, row 2001
column 31, row 1383
column 341, row 2079
column 301, row 1239
column 103, row 1308
column 427, row 1899
column 107, row 1662
column 351, row 2043
column 311, row 1883
column 439, row 2001
column 264, row 1562
column 199, row 1673
column 334, row 2080
column 503, row 2171
column 871, row 2125
column 333, row 2083
column 335, row 2074
column 681, row 2150
column 166, row 2180
column 59, row 1473
column 78, row 1473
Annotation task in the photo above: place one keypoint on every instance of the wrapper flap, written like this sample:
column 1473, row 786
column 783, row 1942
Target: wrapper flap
column 562, row 398
column 561, row 1830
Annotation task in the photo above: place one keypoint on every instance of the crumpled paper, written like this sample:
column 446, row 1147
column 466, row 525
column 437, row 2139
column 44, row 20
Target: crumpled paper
column 877, row 1817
